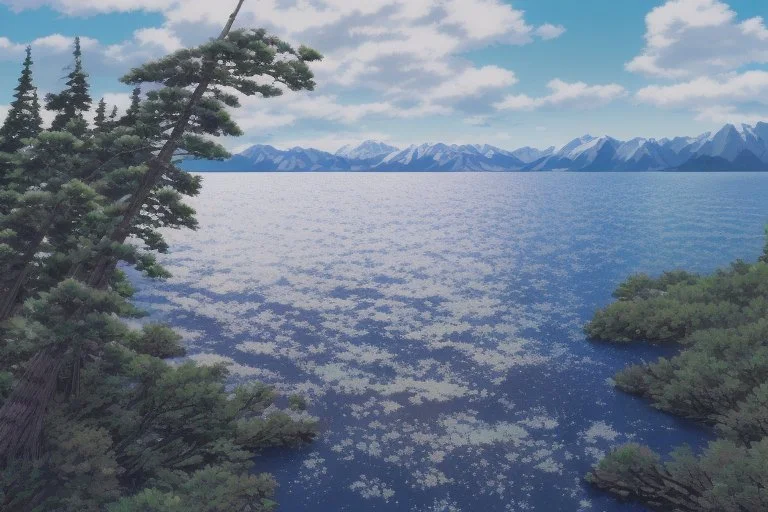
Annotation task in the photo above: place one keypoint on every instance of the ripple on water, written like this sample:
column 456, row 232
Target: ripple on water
column 434, row 321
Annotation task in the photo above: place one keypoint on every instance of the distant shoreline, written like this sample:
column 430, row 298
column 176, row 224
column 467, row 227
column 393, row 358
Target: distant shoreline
column 480, row 172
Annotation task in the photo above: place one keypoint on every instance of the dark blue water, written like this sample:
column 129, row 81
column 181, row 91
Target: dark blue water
column 434, row 322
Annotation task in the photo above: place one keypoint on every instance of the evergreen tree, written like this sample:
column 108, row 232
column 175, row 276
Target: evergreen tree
column 74, row 100
column 100, row 120
column 192, row 102
column 23, row 120
column 132, row 114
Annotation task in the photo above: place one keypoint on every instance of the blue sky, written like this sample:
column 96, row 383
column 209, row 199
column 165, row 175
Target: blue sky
column 505, row 72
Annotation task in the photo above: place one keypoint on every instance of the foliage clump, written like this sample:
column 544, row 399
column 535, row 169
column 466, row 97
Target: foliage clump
column 720, row 378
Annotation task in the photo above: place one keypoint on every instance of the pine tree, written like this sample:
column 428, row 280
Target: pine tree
column 132, row 114
column 23, row 120
column 74, row 100
column 193, row 102
column 101, row 115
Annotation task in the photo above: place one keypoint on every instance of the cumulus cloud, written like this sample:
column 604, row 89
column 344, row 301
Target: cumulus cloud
column 483, row 19
column 384, row 59
column 747, row 86
column 706, row 54
column 565, row 94
column 53, row 44
column 549, row 31
column 389, row 47
column 692, row 37
column 257, row 114
column 161, row 37
column 91, row 6
column 473, row 81
column 722, row 114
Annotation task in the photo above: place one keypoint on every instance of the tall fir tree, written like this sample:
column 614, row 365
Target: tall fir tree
column 132, row 114
column 100, row 120
column 192, row 102
column 75, row 99
column 23, row 120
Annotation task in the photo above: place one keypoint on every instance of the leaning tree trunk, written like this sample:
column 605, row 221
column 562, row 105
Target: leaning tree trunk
column 99, row 274
column 22, row 415
column 16, row 275
column 655, row 488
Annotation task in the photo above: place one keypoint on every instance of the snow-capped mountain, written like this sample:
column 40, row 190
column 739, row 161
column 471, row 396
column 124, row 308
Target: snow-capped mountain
column 268, row 158
column 528, row 154
column 732, row 148
column 442, row 157
column 368, row 150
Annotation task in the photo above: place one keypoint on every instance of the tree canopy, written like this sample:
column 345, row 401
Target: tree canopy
column 719, row 378
column 23, row 120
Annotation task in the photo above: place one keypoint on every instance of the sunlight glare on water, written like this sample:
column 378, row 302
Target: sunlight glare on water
column 434, row 321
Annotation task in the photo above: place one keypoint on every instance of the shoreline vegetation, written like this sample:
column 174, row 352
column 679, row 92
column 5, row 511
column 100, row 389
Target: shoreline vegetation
column 96, row 415
column 719, row 378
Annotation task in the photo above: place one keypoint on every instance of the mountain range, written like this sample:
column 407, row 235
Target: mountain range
column 732, row 148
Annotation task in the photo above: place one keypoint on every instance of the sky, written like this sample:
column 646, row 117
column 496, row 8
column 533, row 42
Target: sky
column 510, row 73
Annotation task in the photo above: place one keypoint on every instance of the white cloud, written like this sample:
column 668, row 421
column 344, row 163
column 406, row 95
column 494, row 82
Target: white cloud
column 53, row 44
column 738, row 87
column 386, row 45
column 565, row 94
column 755, row 27
column 691, row 37
column 92, row 6
column 4, row 112
column 147, row 43
column 473, row 81
column 162, row 37
column 258, row 114
column 483, row 19
column 549, row 31
column 406, row 57
column 477, row 120
column 722, row 114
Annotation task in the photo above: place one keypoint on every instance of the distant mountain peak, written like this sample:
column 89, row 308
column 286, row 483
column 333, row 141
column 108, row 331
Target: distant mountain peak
column 366, row 150
column 732, row 147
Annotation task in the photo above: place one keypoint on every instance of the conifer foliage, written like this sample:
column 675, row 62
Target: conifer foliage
column 91, row 416
column 71, row 103
column 720, row 378
column 23, row 120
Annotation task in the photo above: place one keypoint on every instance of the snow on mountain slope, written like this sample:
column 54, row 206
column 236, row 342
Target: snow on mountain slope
column 742, row 147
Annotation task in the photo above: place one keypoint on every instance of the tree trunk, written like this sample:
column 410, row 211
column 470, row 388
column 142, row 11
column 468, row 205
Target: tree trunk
column 99, row 274
column 14, row 281
column 22, row 415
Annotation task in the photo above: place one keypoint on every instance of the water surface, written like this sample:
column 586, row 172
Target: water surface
column 434, row 322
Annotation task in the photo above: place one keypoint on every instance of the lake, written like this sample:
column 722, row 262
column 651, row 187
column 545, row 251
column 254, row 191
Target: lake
column 434, row 322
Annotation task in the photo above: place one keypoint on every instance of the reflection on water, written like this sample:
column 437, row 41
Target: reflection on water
column 434, row 321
